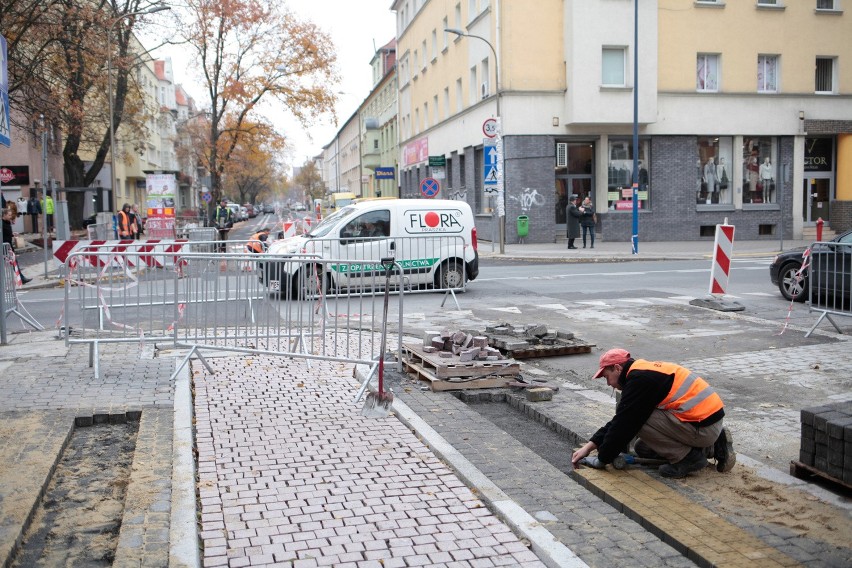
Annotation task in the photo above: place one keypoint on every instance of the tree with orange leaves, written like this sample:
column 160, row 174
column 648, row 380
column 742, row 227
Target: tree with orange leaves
column 254, row 51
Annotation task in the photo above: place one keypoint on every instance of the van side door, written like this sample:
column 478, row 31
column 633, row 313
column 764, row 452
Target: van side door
column 364, row 242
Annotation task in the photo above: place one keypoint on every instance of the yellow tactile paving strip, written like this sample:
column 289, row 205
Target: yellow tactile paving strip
column 701, row 535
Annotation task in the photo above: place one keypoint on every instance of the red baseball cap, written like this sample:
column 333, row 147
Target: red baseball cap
column 612, row 357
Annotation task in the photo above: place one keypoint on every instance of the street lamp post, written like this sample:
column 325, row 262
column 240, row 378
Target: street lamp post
column 151, row 10
column 501, row 162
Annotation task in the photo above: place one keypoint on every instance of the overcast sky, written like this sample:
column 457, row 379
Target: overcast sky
column 357, row 28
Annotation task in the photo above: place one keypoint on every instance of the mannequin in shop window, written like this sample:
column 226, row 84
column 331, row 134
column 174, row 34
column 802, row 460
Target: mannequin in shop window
column 700, row 189
column 710, row 181
column 751, row 171
column 766, row 179
column 722, row 177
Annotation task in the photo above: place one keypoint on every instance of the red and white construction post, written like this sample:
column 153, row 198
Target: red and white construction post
column 723, row 251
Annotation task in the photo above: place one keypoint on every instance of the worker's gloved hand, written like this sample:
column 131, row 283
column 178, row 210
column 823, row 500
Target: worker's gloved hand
column 593, row 462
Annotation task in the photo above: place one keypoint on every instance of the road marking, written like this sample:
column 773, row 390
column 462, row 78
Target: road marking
column 511, row 310
column 702, row 333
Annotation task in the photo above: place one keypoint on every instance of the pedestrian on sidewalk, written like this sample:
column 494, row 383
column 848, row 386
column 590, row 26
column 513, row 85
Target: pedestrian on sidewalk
column 49, row 209
column 34, row 210
column 674, row 412
column 572, row 220
column 9, row 238
column 588, row 220
column 137, row 222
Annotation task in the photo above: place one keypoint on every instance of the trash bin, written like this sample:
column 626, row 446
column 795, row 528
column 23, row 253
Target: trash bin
column 523, row 226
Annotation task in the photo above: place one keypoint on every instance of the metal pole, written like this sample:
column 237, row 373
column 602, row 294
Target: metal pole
column 635, row 240
column 112, row 183
column 45, row 184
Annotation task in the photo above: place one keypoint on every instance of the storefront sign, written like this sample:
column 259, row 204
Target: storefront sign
column 416, row 152
column 15, row 175
column 385, row 173
column 818, row 154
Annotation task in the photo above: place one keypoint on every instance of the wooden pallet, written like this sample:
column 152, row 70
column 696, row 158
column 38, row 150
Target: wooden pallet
column 445, row 368
column 451, row 374
column 804, row 471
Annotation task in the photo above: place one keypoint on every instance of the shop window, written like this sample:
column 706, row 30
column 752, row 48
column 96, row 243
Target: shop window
column 760, row 170
column 713, row 171
column 620, row 175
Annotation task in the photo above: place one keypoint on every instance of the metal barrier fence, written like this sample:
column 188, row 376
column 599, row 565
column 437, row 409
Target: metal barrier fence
column 433, row 264
column 9, row 302
column 217, row 301
column 829, row 281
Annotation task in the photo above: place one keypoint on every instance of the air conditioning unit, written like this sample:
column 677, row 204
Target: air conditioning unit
column 561, row 154
column 483, row 89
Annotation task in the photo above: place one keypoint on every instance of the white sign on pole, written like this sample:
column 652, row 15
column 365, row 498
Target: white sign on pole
column 5, row 127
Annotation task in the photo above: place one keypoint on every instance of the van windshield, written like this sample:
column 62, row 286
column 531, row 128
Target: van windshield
column 330, row 222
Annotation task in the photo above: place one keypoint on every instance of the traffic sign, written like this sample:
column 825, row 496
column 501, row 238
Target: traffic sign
column 429, row 187
column 207, row 196
column 489, row 127
column 491, row 164
column 5, row 124
column 437, row 161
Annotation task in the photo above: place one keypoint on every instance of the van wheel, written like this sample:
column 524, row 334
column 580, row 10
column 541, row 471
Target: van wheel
column 450, row 274
column 310, row 283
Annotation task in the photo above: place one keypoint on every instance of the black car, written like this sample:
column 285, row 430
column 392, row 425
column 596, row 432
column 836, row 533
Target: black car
column 831, row 263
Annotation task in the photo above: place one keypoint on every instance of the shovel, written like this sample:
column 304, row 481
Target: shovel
column 378, row 404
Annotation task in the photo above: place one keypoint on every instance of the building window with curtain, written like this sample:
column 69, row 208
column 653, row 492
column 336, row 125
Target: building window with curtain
column 767, row 73
column 620, row 174
column 612, row 67
column 824, row 75
column 713, row 185
column 707, row 73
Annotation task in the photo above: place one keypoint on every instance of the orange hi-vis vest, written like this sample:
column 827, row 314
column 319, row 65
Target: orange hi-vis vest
column 255, row 244
column 690, row 399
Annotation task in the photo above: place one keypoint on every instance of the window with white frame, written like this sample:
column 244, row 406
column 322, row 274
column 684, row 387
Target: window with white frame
column 824, row 75
column 767, row 2
column 767, row 73
column 434, row 45
column 612, row 66
column 707, row 72
column 444, row 26
column 826, row 4
column 471, row 9
column 474, row 86
column 425, row 54
column 484, row 88
column 459, row 96
column 458, row 17
column 437, row 110
column 426, row 116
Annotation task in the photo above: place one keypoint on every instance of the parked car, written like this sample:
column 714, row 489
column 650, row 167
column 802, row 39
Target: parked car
column 832, row 263
column 299, row 207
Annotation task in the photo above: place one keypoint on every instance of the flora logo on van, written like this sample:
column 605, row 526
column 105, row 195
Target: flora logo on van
column 434, row 221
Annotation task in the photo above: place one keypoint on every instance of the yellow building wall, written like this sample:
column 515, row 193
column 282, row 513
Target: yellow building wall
column 843, row 190
column 740, row 31
column 530, row 52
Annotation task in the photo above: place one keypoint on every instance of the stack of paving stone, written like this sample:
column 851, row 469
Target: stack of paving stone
column 534, row 340
column 826, row 443
column 467, row 346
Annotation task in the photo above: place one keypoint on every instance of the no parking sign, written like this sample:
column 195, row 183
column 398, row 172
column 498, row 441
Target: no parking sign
column 429, row 187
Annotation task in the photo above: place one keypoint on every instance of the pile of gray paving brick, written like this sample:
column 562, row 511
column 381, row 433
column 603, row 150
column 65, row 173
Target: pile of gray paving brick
column 467, row 346
column 826, row 443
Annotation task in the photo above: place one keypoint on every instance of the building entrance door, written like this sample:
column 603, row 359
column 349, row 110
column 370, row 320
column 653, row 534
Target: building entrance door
column 574, row 162
column 816, row 195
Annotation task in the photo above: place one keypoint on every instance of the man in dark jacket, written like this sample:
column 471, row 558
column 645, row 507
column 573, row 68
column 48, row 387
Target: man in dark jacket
column 674, row 412
column 572, row 220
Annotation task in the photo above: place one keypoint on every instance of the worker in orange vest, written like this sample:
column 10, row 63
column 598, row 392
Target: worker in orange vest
column 257, row 242
column 126, row 223
column 674, row 412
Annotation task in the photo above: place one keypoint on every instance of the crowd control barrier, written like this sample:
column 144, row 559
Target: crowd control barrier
column 218, row 301
column 829, row 281
column 9, row 302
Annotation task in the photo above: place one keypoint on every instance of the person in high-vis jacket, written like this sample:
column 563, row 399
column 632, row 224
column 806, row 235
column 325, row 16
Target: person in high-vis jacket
column 676, row 415
column 126, row 224
column 257, row 242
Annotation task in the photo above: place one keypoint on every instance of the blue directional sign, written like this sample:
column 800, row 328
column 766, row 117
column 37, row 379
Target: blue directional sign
column 429, row 187
column 490, row 165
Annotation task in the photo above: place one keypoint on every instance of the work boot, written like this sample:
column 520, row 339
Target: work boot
column 694, row 461
column 643, row 450
column 723, row 451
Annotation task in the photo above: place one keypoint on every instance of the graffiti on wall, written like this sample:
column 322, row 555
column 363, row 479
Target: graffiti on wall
column 528, row 199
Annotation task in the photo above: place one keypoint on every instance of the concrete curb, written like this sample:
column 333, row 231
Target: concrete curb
column 183, row 533
column 552, row 552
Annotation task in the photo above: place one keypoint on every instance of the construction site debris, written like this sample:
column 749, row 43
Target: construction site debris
column 539, row 394
column 449, row 344
column 534, row 340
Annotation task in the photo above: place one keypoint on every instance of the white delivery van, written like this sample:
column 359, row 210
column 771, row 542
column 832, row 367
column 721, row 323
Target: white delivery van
column 432, row 240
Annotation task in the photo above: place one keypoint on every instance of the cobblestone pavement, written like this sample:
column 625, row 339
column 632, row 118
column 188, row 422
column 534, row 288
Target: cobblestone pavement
column 290, row 473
